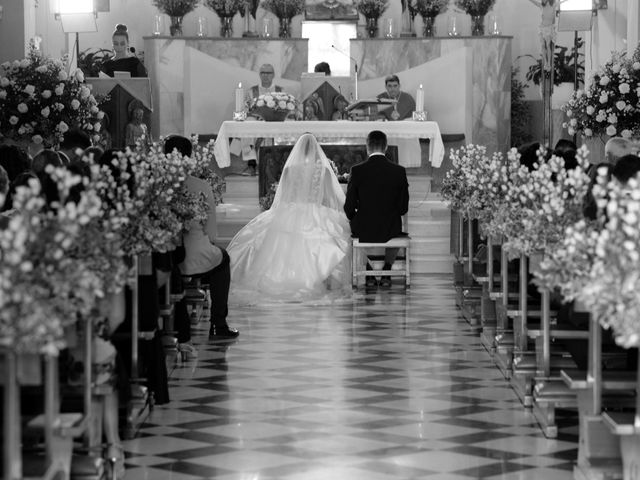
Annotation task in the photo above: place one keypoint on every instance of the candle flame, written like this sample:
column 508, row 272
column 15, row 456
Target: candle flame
column 420, row 85
column 239, row 84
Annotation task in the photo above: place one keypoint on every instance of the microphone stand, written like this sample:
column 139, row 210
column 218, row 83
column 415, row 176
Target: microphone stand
column 355, row 63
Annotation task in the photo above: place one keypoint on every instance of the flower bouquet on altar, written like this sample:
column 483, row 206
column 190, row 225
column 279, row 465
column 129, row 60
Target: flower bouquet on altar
column 40, row 101
column 225, row 8
column 274, row 106
column 372, row 8
column 475, row 8
column 43, row 288
column 610, row 104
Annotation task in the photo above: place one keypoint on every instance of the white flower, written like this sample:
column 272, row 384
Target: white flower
column 624, row 88
column 588, row 132
column 24, row 63
column 62, row 76
column 604, row 98
column 22, row 107
column 79, row 75
column 46, row 94
column 573, row 122
column 37, row 139
column 604, row 80
column 260, row 103
column 45, row 112
column 75, row 104
column 100, row 115
column 290, row 106
column 612, row 118
column 3, row 94
column 41, row 69
column 4, row 82
column 636, row 65
column 84, row 92
column 13, row 120
column 620, row 105
column 60, row 90
column 94, row 109
column 569, row 113
column 590, row 110
column 282, row 104
column 615, row 68
column 626, row 133
column 611, row 130
column 97, row 126
column 62, row 127
column 21, row 130
column 271, row 103
column 29, row 89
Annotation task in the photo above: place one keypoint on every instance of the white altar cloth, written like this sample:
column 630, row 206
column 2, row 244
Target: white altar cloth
column 404, row 134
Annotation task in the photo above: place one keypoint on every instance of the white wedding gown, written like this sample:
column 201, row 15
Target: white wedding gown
column 299, row 249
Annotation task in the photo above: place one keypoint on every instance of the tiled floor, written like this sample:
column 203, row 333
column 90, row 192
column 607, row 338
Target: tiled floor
column 388, row 385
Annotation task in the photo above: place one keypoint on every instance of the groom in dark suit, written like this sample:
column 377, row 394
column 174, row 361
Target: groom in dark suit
column 377, row 198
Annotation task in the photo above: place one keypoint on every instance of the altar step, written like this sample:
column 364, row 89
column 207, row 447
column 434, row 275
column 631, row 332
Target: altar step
column 428, row 217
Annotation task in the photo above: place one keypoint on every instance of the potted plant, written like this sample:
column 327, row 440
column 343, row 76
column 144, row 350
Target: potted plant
column 565, row 65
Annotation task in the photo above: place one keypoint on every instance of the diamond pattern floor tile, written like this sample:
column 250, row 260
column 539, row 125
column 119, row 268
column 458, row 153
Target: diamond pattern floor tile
column 388, row 384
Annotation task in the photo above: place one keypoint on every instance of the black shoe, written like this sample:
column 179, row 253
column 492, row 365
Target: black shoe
column 222, row 332
column 385, row 282
column 371, row 282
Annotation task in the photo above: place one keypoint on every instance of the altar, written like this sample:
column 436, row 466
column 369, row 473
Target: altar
column 405, row 135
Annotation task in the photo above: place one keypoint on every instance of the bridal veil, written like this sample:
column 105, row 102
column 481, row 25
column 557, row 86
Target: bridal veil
column 299, row 249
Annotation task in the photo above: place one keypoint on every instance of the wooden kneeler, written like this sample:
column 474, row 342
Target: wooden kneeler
column 359, row 266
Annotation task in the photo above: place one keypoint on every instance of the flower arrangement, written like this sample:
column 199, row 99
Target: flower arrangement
column 161, row 208
column 176, row 8
column 267, row 200
column 475, row 7
column 598, row 262
column 283, row 8
column 225, row 8
column 273, row 106
column 43, row 288
column 40, row 101
column 610, row 104
column 546, row 200
column 372, row 8
column 431, row 8
column 204, row 159
column 564, row 65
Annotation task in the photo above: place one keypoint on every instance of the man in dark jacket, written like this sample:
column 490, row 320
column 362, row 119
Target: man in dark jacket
column 377, row 198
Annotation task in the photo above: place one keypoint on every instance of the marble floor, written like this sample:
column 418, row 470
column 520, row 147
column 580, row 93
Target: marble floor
column 387, row 385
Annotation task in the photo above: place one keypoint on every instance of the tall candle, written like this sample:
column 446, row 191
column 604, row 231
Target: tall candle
column 239, row 98
column 420, row 99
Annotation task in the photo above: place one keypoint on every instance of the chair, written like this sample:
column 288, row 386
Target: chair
column 359, row 258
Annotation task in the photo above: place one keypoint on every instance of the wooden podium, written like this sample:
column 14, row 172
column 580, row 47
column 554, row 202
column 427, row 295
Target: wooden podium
column 123, row 95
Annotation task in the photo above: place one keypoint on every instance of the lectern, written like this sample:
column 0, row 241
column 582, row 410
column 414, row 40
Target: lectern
column 123, row 94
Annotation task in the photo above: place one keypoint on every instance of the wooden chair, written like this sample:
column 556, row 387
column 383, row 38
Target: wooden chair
column 359, row 258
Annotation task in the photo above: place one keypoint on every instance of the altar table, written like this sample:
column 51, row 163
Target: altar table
column 404, row 134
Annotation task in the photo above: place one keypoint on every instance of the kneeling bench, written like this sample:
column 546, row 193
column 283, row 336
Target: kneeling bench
column 359, row 266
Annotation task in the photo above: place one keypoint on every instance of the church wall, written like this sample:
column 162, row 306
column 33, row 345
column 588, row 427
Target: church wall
column 13, row 30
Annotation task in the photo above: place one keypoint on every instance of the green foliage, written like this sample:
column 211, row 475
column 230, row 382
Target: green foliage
column 564, row 65
column 520, row 112
column 92, row 59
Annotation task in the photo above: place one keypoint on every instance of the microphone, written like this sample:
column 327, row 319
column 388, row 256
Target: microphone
column 355, row 65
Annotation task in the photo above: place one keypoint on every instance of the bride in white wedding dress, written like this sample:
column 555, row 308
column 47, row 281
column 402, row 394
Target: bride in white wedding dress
column 299, row 249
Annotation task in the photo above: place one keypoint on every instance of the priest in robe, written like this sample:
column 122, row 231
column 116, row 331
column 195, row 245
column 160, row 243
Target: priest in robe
column 403, row 105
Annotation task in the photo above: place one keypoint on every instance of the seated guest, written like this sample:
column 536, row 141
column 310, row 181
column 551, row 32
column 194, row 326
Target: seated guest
column 617, row 147
column 74, row 143
column 43, row 159
column 122, row 60
column 14, row 160
column 567, row 150
column 203, row 258
column 93, row 152
column 625, row 168
column 404, row 103
column 529, row 154
column 323, row 67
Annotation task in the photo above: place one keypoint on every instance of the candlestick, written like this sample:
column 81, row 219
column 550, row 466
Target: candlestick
column 420, row 99
column 239, row 98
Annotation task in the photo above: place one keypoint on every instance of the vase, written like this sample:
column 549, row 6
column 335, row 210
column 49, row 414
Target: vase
column 226, row 27
column 176, row 26
column 372, row 27
column 477, row 25
column 428, row 26
column 285, row 27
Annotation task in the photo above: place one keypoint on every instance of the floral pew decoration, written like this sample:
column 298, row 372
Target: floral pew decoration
column 542, row 203
column 202, row 168
column 43, row 288
column 598, row 261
